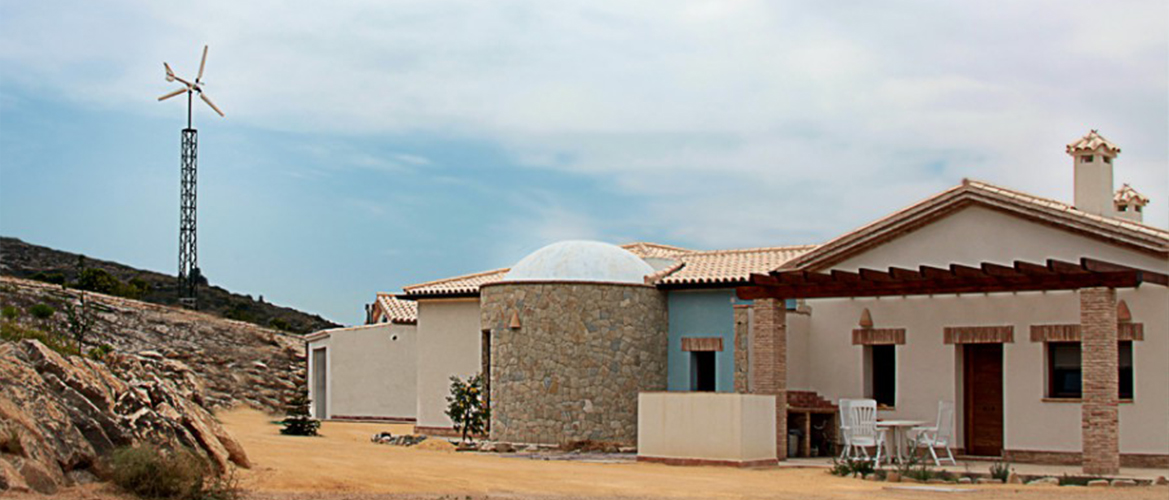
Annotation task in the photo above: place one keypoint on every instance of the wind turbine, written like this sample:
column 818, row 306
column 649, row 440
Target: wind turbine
column 189, row 274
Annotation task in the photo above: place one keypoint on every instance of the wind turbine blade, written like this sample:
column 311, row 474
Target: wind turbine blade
column 188, row 84
column 209, row 103
column 202, row 64
column 172, row 94
column 170, row 75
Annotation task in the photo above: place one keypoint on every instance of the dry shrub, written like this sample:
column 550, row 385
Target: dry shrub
column 150, row 472
column 588, row 445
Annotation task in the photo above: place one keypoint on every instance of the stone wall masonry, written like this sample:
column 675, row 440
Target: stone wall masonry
column 574, row 367
column 1099, row 358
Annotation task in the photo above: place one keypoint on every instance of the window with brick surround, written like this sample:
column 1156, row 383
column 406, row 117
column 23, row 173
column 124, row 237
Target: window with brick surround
column 1064, row 377
column 1063, row 370
column 1126, row 379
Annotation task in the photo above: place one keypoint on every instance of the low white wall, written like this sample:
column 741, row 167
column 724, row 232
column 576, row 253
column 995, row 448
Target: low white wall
column 705, row 427
column 371, row 371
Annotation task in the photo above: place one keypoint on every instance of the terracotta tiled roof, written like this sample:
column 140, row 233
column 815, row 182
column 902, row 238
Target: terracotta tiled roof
column 1122, row 232
column 1129, row 196
column 398, row 311
column 1090, row 142
column 726, row 266
column 467, row 284
column 655, row 250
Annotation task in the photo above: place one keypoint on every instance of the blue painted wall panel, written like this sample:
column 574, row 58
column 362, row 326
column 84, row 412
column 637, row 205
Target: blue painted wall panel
column 706, row 313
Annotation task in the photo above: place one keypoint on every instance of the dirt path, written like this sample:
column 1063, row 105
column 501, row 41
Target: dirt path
column 344, row 464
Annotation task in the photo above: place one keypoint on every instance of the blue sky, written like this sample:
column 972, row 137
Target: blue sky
column 369, row 145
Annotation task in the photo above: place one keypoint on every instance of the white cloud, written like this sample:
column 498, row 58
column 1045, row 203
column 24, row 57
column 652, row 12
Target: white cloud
column 739, row 122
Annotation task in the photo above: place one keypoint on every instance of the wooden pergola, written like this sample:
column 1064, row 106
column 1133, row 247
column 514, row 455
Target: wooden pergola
column 956, row 279
column 1094, row 280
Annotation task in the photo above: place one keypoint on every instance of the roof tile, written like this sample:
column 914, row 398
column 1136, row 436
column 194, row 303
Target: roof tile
column 398, row 310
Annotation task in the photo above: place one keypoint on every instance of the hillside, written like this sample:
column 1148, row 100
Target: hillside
column 230, row 362
column 25, row 260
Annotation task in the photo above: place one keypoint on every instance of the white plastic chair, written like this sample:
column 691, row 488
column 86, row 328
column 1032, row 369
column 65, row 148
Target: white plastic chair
column 861, row 431
column 843, row 412
column 941, row 435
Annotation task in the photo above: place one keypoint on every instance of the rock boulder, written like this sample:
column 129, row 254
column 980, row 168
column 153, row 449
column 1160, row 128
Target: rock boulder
column 61, row 418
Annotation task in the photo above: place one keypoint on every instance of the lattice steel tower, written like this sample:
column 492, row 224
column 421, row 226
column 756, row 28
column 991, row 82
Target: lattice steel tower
column 189, row 275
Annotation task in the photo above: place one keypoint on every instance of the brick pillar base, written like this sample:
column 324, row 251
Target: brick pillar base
column 742, row 353
column 769, row 375
column 1099, row 358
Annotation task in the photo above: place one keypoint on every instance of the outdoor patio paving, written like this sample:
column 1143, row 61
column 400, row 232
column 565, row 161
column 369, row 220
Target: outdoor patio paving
column 983, row 466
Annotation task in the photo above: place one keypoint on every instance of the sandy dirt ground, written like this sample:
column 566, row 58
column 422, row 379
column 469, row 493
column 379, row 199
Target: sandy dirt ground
column 345, row 465
column 344, row 462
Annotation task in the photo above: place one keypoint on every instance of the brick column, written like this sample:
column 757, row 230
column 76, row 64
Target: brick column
column 1099, row 357
column 742, row 350
column 769, row 375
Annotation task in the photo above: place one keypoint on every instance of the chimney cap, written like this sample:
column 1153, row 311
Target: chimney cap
column 1093, row 141
column 1129, row 196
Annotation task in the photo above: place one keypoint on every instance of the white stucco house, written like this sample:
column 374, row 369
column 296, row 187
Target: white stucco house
column 1046, row 323
column 367, row 372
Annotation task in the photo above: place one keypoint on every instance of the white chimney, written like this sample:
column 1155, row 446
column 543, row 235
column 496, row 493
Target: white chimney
column 1092, row 156
column 1129, row 203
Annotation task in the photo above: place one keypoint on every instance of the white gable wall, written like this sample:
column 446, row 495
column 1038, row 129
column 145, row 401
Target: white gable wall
column 370, row 371
column 448, row 345
column 929, row 370
column 976, row 234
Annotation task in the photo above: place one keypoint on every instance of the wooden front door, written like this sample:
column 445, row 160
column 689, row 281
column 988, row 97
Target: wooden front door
column 983, row 398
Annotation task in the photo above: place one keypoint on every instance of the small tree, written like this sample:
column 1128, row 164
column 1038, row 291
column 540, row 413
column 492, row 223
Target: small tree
column 298, row 420
column 80, row 320
column 466, row 406
column 98, row 280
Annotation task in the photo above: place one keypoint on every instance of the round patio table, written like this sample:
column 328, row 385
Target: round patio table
column 898, row 429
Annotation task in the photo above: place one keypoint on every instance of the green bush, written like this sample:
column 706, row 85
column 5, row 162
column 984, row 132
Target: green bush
column 1067, row 480
column 41, row 311
column 922, row 472
column 99, row 353
column 147, row 471
column 10, row 312
column 98, row 280
column 54, row 277
column 855, row 467
column 1000, row 470
column 136, row 288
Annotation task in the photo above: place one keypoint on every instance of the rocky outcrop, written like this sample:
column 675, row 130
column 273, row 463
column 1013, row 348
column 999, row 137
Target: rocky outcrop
column 61, row 418
column 229, row 362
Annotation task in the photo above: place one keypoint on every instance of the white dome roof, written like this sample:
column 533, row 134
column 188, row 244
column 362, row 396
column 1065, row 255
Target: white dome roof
column 581, row 261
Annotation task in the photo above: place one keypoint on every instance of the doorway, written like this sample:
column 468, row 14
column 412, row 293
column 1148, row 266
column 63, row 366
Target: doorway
column 982, row 383
column 320, row 384
column 702, row 375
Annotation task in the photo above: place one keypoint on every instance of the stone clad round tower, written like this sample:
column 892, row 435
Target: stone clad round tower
column 574, row 335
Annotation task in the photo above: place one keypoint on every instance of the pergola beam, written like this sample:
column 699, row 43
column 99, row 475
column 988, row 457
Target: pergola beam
column 958, row 279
